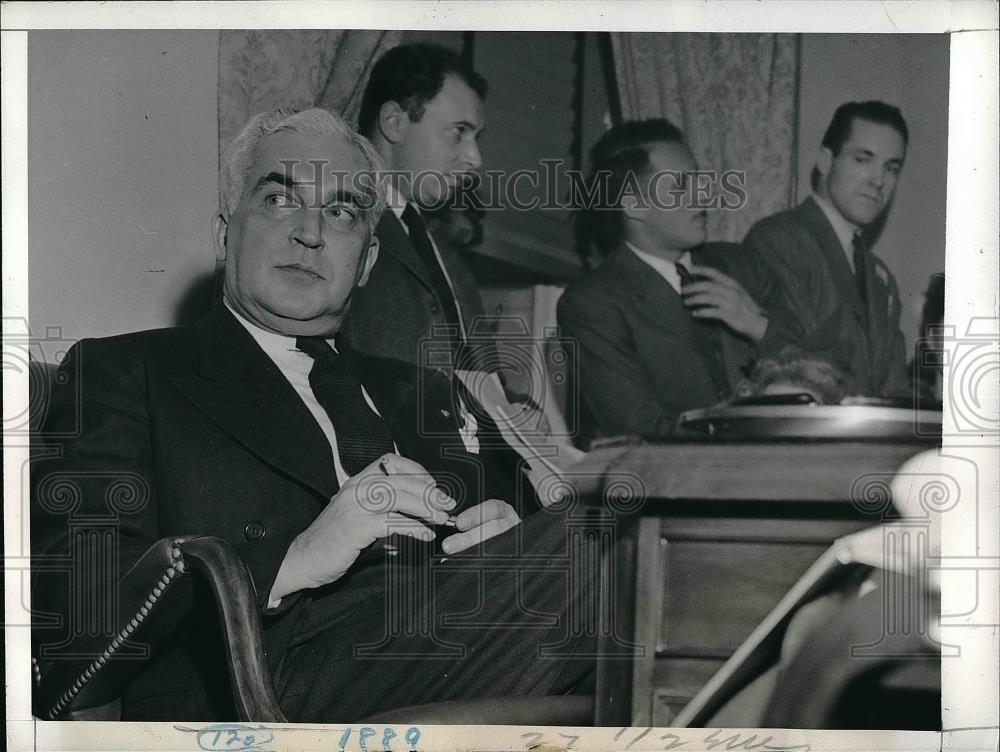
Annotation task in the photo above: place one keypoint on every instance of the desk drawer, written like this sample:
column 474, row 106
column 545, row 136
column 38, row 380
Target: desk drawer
column 702, row 587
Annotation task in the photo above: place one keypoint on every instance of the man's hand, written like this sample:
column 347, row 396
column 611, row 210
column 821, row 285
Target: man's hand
column 372, row 504
column 480, row 523
column 719, row 296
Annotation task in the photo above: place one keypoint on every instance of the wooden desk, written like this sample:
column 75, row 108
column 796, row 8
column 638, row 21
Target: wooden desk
column 714, row 535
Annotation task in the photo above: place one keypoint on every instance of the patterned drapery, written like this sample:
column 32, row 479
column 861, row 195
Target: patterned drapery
column 734, row 96
column 261, row 70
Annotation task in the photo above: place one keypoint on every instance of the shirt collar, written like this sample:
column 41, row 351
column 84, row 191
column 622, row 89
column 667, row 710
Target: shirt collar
column 844, row 229
column 279, row 347
column 396, row 202
column 666, row 269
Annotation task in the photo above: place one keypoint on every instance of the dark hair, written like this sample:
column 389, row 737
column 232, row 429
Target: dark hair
column 621, row 155
column 873, row 111
column 411, row 76
column 802, row 372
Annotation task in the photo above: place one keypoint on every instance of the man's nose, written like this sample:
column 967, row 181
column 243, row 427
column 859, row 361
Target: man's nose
column 878, row 178
column 308, row 231
column 472, row 156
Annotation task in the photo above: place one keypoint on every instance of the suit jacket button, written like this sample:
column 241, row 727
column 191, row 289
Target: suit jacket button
column 434, row 307
column 254, row 531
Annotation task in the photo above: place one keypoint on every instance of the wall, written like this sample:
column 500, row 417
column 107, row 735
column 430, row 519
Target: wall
column 122, row 159
column 910, row 71
column 123, row 154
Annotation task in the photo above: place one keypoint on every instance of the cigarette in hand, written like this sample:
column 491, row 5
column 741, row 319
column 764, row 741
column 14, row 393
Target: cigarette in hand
column 390, row 549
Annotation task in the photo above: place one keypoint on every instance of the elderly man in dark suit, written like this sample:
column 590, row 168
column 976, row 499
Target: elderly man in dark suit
column 845, row 297
column 259, row 425
column 666, row 323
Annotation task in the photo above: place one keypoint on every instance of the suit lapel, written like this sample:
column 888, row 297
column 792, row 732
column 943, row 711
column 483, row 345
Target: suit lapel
column 417, row 404
column 662, row 304
column 244, row 393
column 394, row 242
column 422, row 409
column 657, row 300
column 820, row 228
column 879, row 304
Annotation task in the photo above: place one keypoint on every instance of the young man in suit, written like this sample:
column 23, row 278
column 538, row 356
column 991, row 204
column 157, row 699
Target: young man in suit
column 259, row 425
column 423, row 110
column 662, row 325
column 844, row 296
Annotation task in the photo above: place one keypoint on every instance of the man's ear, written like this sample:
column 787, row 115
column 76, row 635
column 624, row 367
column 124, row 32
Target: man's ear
column 633, row 208
column 370, row 261
column 220, row 227
column 393, row 121
column 824, row 161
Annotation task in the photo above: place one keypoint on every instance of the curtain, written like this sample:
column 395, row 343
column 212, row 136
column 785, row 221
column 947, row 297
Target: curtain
column 735, row 98
column 261, row 70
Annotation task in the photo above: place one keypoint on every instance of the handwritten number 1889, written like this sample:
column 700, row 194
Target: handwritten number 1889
column 366, row 733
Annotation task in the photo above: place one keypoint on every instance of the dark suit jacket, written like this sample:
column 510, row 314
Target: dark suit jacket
column 194, row 430
column 638, row 365
column 802, row 250
column 398, row 308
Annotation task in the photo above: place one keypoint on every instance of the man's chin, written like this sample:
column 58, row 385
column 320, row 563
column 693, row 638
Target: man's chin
column 865, row 216
column 301, row 322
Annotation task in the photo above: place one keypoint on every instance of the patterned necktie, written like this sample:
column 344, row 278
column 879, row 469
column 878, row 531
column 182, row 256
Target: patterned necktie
column 425, row 249
column 706, row 339
column 362, row 436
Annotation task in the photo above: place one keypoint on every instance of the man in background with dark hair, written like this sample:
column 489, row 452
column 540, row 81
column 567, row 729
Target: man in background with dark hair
column 844, row 296
column 423, row 111
column 666, row 323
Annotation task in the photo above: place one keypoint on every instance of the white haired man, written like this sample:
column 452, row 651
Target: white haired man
column 258, row 425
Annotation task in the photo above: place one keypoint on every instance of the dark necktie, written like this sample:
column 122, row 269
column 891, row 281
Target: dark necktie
column 706, row 339
column 860, row 267
column 425, row 249
column 362, row 436
column 684, row 274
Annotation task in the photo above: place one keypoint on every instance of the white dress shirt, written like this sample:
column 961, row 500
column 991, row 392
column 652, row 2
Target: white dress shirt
column 664, row 268
column 295, row 366
column 844, row 229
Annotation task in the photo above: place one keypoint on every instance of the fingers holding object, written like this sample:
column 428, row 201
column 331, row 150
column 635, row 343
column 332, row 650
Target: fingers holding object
column 491, row 509
column 401, row 524
column 409, row 495
column 712, row 274
column 713, row 298
column 453, row 544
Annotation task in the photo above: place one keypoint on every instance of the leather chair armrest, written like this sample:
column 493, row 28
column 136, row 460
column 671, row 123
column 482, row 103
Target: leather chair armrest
column 153, row 597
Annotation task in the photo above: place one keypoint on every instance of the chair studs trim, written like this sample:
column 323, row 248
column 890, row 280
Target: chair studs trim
column 175, row 568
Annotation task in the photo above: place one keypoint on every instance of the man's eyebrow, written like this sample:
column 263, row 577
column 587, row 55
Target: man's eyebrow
column 347, row 197
column 343, row 196
column 281, row 178
column 865, row 151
